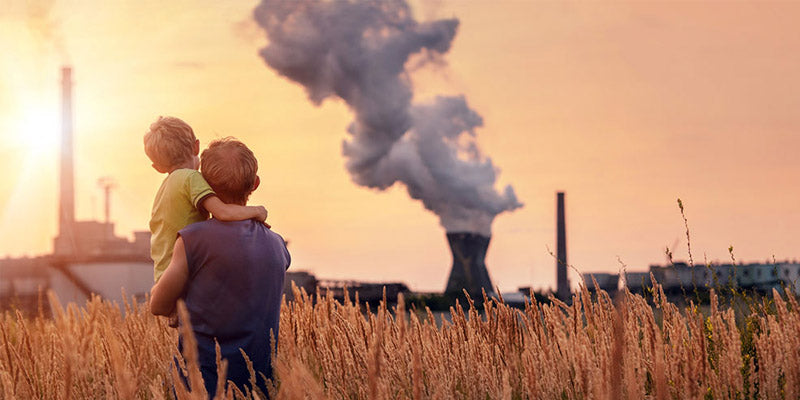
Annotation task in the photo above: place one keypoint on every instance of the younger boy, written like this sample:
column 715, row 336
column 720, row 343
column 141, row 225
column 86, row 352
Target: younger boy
column 184, row 197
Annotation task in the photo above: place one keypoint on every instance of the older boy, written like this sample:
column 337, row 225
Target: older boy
column 184, row 197
column 231, row 275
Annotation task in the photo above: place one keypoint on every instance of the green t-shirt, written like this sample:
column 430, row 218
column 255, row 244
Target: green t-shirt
column 177, row 204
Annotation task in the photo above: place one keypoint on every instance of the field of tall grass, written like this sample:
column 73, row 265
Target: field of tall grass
column 595, row 348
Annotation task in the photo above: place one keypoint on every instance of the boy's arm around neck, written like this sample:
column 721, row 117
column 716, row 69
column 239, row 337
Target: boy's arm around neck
column 233, row 212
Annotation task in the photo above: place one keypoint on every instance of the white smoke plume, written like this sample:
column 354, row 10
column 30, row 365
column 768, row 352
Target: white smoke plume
column 357, row 51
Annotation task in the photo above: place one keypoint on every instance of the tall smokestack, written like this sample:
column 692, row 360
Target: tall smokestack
column 562, row 283
column 469, row 267
column 66, row 207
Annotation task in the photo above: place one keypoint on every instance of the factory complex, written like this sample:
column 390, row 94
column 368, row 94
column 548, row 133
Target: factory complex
column 89, row 258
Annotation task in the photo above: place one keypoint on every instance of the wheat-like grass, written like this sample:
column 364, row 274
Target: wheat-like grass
column 595, row 348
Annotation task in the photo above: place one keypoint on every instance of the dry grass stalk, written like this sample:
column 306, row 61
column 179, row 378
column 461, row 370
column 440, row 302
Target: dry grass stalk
column 591, row 349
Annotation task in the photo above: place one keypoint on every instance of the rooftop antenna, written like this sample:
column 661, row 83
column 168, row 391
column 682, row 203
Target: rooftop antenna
column 107, row 183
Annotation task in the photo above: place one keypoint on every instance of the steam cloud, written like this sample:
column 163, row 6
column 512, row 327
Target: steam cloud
column 357, row 51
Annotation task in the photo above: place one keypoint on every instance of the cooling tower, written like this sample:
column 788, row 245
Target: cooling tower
column 469, row 266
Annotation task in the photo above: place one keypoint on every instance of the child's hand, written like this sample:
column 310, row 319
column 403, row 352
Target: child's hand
column 262, row 215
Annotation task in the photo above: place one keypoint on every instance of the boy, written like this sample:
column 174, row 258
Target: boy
column 230, row 276
column 184, row 197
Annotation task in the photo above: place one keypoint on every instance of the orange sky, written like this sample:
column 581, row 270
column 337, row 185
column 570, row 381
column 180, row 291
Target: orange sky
column 626, row 107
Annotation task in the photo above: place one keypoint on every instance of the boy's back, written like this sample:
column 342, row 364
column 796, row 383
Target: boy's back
column 176, row 205
column 234, row 290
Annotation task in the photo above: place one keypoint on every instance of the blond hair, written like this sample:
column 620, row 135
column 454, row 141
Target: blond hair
column 230, row 169
column 169, row 142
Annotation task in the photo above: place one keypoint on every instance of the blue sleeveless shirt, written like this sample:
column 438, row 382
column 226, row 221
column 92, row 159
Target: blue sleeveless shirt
column 233, row 294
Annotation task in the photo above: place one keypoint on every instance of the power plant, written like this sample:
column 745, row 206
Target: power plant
column 469, row 270
column 88, row 258
column 469, row 266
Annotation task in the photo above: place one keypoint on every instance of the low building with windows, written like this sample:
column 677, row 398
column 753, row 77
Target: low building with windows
column 682, row 277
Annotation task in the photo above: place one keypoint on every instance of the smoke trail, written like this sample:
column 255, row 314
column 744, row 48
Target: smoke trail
column 357, row 51
column 45, row 27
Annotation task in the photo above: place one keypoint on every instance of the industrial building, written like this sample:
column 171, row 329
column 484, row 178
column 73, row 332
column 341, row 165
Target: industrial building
column 680, row 277
column 87, row 256
column 605, row 282
column 760, row 277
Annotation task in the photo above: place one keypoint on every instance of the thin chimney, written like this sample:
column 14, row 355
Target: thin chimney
column 562, row 282
column 67, row 202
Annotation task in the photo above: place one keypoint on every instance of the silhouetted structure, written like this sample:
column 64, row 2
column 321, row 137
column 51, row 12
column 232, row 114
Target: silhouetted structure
column 562, row 282
column 64, row 243
column 87, row 256
column 469, row 266
column 369, row 292
column 302, row 279
column 680, row 277
column 107, row 183
column 605, row 281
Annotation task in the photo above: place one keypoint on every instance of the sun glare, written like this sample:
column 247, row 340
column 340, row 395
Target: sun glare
column 38, row 129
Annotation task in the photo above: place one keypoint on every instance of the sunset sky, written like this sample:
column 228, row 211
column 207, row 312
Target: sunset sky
column 624, row 106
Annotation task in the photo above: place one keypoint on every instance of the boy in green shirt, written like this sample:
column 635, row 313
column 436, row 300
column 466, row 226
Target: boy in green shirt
column 184, row 197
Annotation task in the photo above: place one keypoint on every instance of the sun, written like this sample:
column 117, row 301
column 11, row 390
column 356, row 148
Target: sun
column 38, row 129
